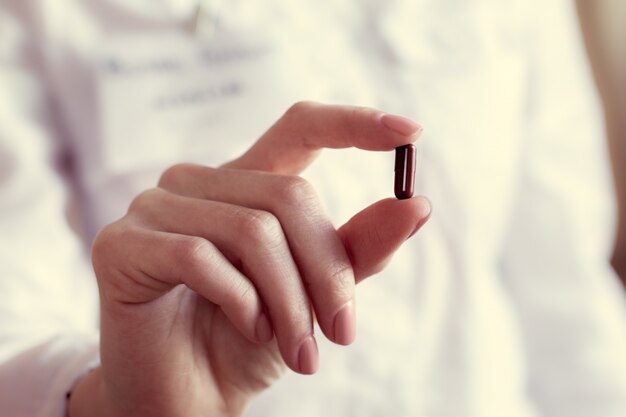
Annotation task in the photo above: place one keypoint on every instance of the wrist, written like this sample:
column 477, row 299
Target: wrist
column 89, row 399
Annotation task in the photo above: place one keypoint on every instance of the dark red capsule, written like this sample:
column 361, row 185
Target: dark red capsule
column 404, row 171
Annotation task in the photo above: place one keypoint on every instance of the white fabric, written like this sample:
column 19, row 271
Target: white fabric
column 503, row 305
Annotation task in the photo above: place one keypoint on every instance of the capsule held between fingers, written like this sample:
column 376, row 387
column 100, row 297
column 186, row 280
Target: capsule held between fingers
column 404, row 168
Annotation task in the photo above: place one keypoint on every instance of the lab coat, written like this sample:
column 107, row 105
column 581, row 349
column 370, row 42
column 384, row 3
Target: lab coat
column 504, row 304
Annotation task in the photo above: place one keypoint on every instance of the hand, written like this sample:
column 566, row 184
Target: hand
column 208, row 283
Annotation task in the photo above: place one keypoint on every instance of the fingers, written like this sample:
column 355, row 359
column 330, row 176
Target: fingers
column 288, row 147
column 251, row 241
column 255, row 239
column 374, row 234
column 163, row 260
column 294, row 141
column 314, row 243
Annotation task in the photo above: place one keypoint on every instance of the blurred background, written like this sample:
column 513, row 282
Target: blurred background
column 604, row 27
column 503, row 300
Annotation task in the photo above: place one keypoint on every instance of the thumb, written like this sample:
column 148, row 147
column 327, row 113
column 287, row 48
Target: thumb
column 292, row 143
column 373, row 235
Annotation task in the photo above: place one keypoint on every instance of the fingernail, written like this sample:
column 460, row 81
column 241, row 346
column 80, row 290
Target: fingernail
column 399, row 124
column 308, row 356
column 344, row 326
column 264, row 331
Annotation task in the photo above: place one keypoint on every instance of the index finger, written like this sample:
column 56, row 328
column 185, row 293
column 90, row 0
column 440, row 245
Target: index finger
column 292, row 143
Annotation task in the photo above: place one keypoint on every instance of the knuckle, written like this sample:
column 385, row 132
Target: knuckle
column 193, row 252
column 101, row 244
column 340, row 280
column 354, row 120
column 174, row 174
column 105, row 248
column 241, row 295
column 261, row 227
column 359, row 112
column 145, row 200
column 296, row 192
column 299, row 108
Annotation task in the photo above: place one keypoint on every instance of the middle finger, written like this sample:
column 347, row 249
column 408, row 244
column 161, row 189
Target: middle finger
column 315, row 245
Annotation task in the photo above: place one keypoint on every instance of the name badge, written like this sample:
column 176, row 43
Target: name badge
column 171, row 97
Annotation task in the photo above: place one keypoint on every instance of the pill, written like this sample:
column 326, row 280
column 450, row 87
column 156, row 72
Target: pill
column 404, row 171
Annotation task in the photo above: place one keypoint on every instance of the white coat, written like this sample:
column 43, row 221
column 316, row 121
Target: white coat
column 504, row 304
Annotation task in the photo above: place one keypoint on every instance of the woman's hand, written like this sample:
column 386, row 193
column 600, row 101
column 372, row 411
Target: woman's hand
column 209, row 283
